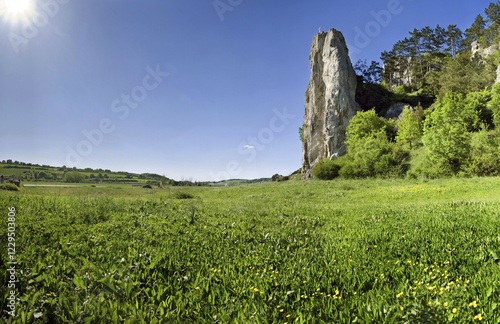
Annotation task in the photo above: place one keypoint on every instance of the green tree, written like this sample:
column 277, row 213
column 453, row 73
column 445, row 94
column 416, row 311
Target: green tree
column 493, row 20
column 409, row 128
column 445, row 135
column 363, row 125
column 476, row 112
column 73, row 176
column 476, row 32
column 370, row 153
column 412, row 59
column 494, row 105
column 485, row 156
column 326, row 169
column 375, row 156
column 493, row 13
column 370, row 73
column 454, row 37
column 466, row 74
column 301, row 132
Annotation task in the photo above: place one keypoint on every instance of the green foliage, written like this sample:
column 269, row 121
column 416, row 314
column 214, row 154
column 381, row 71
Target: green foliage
column 369, row 73
column 326, row 169
column 436, row 61
column 402, row 90
column 363, row 125
column 73, row 176
column 410, row 128
column 373, row 96
column 183, row 195
column 391, row 129
column 476, row 32
column 370, row 151
column 494, row 105
column 301, row 132
column 375, row 156
column 493, row 13
column 485, row 155
column 466, row 74
column 412, row 61
column 445, row 135
column 476, row 111
column 9, row 187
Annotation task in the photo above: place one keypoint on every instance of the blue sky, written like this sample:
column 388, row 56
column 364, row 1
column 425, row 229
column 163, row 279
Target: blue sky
column 181, row 88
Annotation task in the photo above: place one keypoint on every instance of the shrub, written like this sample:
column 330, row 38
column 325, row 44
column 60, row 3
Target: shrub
column 183, row 195
column 485, row 156
column 445, row 135
column 73, row 176
column 410, row 129
column 476, row 112
column 9, row 186
column 375, row 157
column 279, row 178
column 494, row 105
column 362, row 125
column 427, row 170
column 326, row 169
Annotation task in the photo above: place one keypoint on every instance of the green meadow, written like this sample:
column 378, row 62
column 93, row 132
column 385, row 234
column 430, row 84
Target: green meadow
column 343, row 251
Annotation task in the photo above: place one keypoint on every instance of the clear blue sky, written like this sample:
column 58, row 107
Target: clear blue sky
column 176, row 88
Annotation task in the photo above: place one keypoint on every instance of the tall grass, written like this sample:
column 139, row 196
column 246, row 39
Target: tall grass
column 368, row 251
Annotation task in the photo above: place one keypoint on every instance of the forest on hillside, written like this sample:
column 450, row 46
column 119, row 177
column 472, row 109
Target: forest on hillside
column 450, row 126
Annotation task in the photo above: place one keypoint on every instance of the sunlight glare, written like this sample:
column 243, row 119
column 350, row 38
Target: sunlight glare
column 16, row 10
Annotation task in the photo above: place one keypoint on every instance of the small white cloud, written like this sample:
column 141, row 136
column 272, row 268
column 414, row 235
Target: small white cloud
column 248, row 147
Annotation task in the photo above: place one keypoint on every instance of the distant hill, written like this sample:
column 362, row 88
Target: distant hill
column 45, row 173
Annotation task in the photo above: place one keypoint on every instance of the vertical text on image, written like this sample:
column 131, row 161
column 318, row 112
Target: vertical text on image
column 11, row 252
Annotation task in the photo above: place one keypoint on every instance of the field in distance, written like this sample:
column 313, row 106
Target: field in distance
column 364, row 251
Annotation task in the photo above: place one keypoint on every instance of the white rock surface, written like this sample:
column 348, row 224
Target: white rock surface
column 329, row 100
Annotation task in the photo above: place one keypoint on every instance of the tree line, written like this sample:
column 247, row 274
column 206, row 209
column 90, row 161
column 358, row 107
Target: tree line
column 432, row 61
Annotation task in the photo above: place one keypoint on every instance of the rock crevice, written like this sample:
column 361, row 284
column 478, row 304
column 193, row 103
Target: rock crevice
column 329, row 100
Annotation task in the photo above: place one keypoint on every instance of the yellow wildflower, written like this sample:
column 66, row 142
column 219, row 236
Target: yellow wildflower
column 399, row 295
column 473, row 304
column 478, row 317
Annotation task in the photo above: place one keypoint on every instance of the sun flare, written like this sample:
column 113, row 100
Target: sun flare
column 16, row 10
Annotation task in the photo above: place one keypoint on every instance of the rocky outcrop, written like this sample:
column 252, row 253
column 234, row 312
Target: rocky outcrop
column 476, row 49
column 395, row 110
column 329, row 101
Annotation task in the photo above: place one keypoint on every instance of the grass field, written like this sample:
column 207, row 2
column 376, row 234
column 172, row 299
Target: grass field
column 367, row 251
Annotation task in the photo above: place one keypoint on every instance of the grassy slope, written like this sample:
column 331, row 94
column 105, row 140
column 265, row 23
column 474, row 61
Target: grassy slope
column 17, row 170
column 371, row 250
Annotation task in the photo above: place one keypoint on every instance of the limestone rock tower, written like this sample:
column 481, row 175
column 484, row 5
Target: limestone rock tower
column 329, row 100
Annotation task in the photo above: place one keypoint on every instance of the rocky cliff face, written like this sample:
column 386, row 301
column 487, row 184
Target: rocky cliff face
column 476, row 49
column 329, row 101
